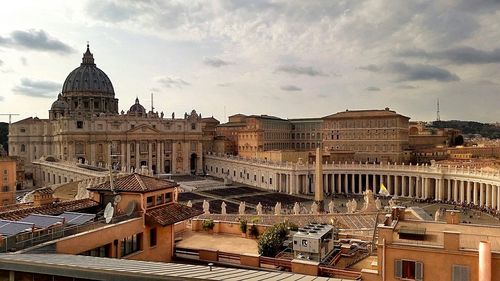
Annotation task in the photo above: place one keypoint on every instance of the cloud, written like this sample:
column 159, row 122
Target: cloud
column 370, row 67
column 24, row 61
column 1, row 98
column 37, row 40
column 37, row 88
column 300, row 70
column 406, row 87
column 224, row 84
column 172, row 82
column 290, row 88
column 215, row 62
column 459, row 55
column 1, row 62
column 416, row 72
column 372, row 89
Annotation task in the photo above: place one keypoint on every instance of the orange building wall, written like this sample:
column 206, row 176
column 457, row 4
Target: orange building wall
column 7, row 181
column 100, row 237
column 437, row 263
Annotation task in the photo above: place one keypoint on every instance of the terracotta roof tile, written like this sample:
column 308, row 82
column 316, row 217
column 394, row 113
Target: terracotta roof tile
column 171, row 213
column 55, row 208
column 135, row 183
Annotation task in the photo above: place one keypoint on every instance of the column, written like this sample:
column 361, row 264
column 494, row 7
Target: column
column 353, row 184
column 403, row 186
column 418, row 189
column 346, row 184
column 389, row 184
column 360, row 184
column 158, row 158
column 150, row 155
column 397, row 186
column 128, row 156
column 474, row 195
column 411, row 182
column 469, row 199
column 426, row 188
column 437, row 189
column 498, row 196
column 455, row 190
column 339, row 182
column 293, row 185
column 488, row 194
column 287, row 183
column 162, row 157
column 481, row 194
column 449, row 190
column 333, row 183
column 137, row 162
column 92, row 153
column 462, row 191
column 123, row 161
column 374, row 184
column 493, row 196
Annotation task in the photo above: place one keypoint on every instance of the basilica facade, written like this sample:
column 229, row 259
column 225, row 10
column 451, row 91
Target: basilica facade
column 85, row 126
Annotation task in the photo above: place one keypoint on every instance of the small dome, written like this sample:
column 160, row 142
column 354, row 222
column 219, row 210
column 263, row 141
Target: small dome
column 137, row 108
column 88, row 78
column 59, row 104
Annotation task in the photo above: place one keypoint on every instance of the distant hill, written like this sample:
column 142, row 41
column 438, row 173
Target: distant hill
column 470, row 127
column 4, row 132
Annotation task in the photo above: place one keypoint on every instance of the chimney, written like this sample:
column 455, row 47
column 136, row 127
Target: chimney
column 43, row 196
column 398, row 213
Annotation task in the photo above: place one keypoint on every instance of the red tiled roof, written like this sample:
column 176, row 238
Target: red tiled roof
column 135, row 183
column 171, row 213
column 364, row 114
column 55, row 208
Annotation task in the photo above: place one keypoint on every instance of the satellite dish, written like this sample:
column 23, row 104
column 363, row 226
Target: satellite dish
column 108, row 212
column 117, row 199
column 130, row 208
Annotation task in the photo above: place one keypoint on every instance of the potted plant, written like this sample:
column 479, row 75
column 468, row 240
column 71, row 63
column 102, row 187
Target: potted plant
column 243, row 228
column 254, row 231
column 208, row 225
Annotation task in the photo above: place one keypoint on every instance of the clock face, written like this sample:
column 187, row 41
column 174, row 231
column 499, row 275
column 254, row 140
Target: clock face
column 304, row 243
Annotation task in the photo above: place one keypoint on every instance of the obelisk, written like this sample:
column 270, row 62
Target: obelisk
column 318, row 185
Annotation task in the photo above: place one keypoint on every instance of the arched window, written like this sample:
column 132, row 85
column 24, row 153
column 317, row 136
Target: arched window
column 23, row 148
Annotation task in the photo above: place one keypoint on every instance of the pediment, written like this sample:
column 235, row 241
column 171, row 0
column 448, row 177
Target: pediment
column 143, row 129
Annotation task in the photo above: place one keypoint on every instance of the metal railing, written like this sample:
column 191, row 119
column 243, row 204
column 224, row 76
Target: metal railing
column 27, row 240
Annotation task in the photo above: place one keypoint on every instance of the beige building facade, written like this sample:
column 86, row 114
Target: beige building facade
column 84, row 125
column 373, row 135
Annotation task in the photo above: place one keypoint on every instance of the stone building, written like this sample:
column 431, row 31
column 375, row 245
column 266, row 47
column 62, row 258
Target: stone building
column 374, row 135
column 84, row 125
column 7, row 180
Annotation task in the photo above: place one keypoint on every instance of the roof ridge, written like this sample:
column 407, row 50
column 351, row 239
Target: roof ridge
column 141, row 183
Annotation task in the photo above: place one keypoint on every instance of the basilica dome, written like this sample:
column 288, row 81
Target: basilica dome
column 88, row 78
column 59, row 104
column 137, row 108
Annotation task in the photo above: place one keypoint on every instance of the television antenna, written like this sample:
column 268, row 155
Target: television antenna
column 108, row 212
column 10, row 116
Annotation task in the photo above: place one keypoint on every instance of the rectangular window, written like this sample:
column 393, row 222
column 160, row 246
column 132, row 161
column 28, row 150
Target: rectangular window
column 168, row 197
column 152, row 237
column 159, row 199
column 408, row 270
column 131, row 244
column 149, row 201
column 79, row 124
column 5, row 188
column 460, row 273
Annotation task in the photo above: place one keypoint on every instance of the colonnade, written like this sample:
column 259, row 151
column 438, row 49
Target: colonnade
column 444, row 183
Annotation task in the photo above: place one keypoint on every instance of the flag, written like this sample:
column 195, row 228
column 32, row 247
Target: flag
column 383, row 191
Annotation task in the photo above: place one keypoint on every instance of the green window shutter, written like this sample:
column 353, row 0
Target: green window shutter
column 419, row 271
column 398, row 268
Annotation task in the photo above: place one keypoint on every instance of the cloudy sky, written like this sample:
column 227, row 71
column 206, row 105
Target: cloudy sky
column 285, row 58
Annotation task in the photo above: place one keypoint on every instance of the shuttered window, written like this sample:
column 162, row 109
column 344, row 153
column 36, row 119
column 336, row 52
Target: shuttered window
column 398, row 266
column 409, row 270
column 460, row 273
